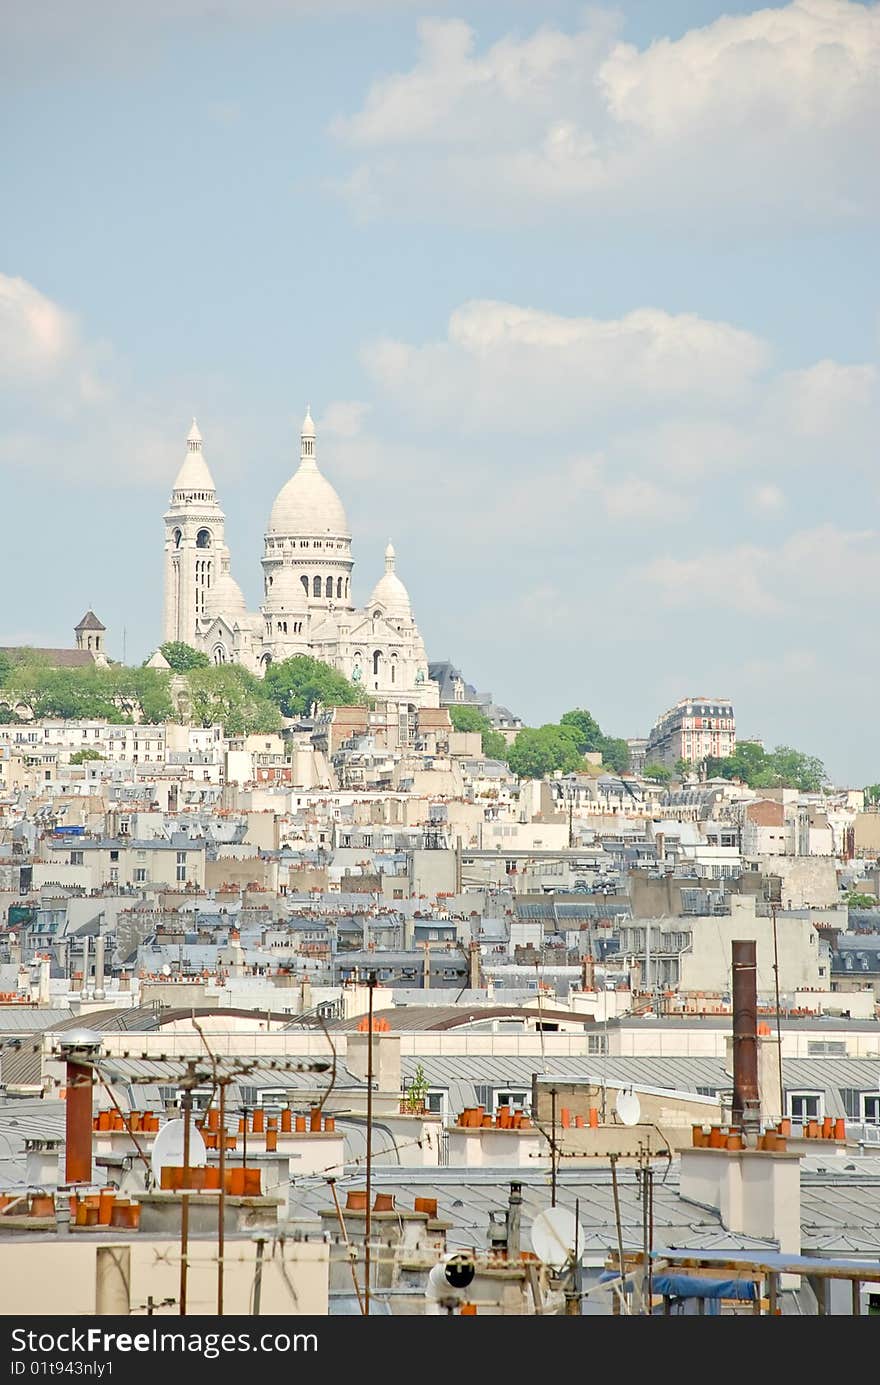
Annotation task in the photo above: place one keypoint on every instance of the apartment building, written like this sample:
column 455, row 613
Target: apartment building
column 695, row 728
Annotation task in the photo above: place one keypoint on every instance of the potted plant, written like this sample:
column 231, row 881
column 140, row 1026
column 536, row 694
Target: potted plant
column 413, row 1103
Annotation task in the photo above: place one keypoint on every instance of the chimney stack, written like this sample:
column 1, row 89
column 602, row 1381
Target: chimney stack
column 99, row 967
column 746, row 1098
column 44, row 995
column 78, row 1048
column 85, row 976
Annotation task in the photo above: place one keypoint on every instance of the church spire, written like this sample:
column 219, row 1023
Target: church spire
column 390, row 557
column 194, row 438
column 307, row 438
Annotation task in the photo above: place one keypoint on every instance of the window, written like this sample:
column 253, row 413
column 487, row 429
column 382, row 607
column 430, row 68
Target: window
column 203, row 538
column 826, row 1048
column 305, row 582
column 181, row 875
column 76, row 858
column 871, row 1108
column 114, row 874
column 140, row 875
column 316, row 586
column 805, row 1106
column 516, row 1098
column 329, row 587
column 338, row 588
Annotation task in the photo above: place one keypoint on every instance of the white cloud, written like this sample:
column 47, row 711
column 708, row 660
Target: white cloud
column 671, row 401
column 749, row 117
column 37, row 337
column 767, row 498
column 824, row 398
column 63, row 412
column 344, row 418
column 814, row 569
column 526, row 369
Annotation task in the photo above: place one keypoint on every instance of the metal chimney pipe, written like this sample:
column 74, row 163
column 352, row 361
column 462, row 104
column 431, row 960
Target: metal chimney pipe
column 99, row 967
column 85, row 976
column 514, row 1221
column 746, row 1099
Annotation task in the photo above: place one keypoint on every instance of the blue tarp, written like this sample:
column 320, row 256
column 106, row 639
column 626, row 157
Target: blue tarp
column 687, row 1286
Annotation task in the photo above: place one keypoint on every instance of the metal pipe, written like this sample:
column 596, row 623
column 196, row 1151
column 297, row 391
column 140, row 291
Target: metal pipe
column 778, row 1019
column 184, row 1208
column 371, row 982
column 746, row 1097
column 221, row 1201
column 618, row 1223
column 552, row 1146
column 258, row 1278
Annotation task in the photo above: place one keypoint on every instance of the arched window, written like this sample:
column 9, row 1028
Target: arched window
column 329, row 587
column 266, row 661
column 377, row 655
column 338, row 588
column 177, row 536
column 316, row 586
column 394, row 668
column 219, row 654
column 305, row 582
column 203, row 538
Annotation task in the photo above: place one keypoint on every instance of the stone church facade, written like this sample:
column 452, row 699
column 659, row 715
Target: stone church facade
column 307, row 606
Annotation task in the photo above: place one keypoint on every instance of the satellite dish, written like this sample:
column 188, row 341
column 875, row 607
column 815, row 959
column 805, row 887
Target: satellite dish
column 168, row 1149
column 628, row 1108
column 554, row 1233
column 166, row 970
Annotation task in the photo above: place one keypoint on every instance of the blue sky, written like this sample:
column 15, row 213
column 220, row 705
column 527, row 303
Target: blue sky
column 584, row 301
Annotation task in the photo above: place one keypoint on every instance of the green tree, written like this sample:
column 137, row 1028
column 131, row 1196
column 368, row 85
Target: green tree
column 495, row 747
column 79, row 757
column 469, row 719
column 683, row 768
column 296, row 684
column 232, row 696
column 541, row 750
column 615, row 754
column 783, row 767
column 589, row 733
column 6, row 666
column 151, row 686
column 872, row 793
column 658, row 773
column 182, row 657
column 747, row 761
column 793, row 769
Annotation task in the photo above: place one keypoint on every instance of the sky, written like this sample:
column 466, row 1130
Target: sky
column 584, row 300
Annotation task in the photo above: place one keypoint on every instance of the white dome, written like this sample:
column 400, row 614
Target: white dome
column 309, row 506
column 286, row 592
column 389, row 592
column 225, row 598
